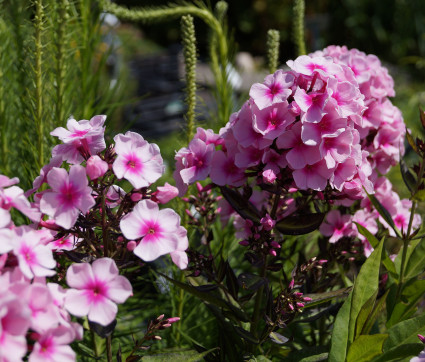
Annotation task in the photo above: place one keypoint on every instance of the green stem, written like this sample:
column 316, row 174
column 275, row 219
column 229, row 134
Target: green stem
column 273, row 38
column 38, row 21
column 257, row 304
column 109, row 348
column 299, row 9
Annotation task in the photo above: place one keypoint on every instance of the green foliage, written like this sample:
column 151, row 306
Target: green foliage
column 53, row 65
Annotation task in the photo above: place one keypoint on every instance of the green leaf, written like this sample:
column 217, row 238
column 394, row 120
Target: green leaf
column 278, row 338
column 300, row 224
column 411, row 141
column 365, row 286
column 397, row 353
column 384, row 213
column 187, row 356
column 339, row 339
column 410, row 248
column 388, row 263
column 407, row 176
column 420, row 195
column 416, row 262
column 232, row 282
column 209, row 297
column 364, row 314
column 308, row 354
column 246, row 335
column 242, row 206
column 412, row 293
column 377, row 309
column 365, row 348
column 405, row 332
column 320, row 298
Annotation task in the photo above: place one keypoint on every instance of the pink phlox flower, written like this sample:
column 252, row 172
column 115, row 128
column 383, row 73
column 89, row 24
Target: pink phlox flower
column 96, row 167
column 53, row 346
column 275, row 89
column 267, row 222
column 34, row 257
column 157, row 228
column 96, row 290
column 336, row 149
column 39, row 300
column 299, row 154
column 14, row 323
column 313, row 177
column 274, row 161
column 208, row 136
column 312, row 104
column 248, row 156
column 242, row 131
column 331, row 125
column 42, row 178
column 307, row 65
column 69, row 195
column 272, row 121
column 82, row 137
column 6, row 181
column 67, row 242
column 348, row 98
column 114, row 195
column 344, row 172
column 179, row 256
column 367, row 220
column 242, row 227
column 137, row 161
column 14, row 197
column 336, row 226
column 166, row 193
column 196, row 161
column 224, row 171
column 6, row 241
column 269, row 176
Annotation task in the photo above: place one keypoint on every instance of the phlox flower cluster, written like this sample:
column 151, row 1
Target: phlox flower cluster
column 79, row 209
column 324, row 127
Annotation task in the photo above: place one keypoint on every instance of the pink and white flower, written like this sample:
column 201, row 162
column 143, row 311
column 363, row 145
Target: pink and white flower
column 97, row 289
column 158, row 230
column 69, row 195
column 137, row 161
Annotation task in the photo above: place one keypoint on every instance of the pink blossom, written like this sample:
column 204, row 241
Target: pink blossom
column 311, row 104
column 53, row 346
column 40, row 180
column 67, row 242
column 157, row 228
column 267, row 222
column 96, row 290
column 81, row 138
column 272, row 121
column 224, row 170
column 274, row 89
column 269, row 176
column 307, row 65
column 166, row 193
column 138, row 161
column 69, row 195
column 179, row 256
column 313, row 177
column 96, row 167
column 336, row 226
column 34, row 258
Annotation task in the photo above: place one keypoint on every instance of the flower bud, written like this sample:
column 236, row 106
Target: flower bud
column 173, row 319
column 136, row 197
column 166, row 193
column 269, row 176
column 131, row 245
column 421, row 338
column 96, row 167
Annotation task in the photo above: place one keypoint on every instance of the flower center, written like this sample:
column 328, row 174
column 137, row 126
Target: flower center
column 131, row 164
column 151, row 231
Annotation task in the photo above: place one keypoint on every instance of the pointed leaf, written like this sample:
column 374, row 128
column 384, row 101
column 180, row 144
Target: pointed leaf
column 422, row 117
column 377, row 309
column 411, row 141
column 247, row 335
column 400, row 352
column 232, row 282
column 339, row 339
column 405, row 332
column 242, row 206
column 278, row 338
column 300, row 224
column 365, row 348
column 251, row 281
column 388, row 263
column 384, row 213
column 407, row 176
column 365, row 286
column 410, row 296
column 320, row 298
column 364, row 314
column 419, row 195
column 416, row 262
column 187, row 356
column 308, row 354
